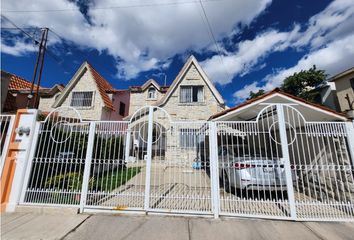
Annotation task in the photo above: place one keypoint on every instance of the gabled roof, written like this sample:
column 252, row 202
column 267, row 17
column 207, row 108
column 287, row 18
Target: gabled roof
column 102, row 85
column 342, row 74
column 17, row 83
column 191, row 61
column 150, row 82
column 147, row 84
column 277, row 91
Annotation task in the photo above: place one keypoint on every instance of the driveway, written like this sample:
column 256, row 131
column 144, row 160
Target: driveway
column 60, row 226
column 178, row 187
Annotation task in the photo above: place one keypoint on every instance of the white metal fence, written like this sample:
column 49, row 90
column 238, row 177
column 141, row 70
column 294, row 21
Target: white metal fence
column 277, row 166
column 7, row 122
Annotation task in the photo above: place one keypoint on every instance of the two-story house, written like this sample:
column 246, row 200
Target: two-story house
column 192, row 97
column 92, row 96
column 344, row 83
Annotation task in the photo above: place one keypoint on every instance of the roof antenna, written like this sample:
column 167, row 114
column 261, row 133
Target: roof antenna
column 165, row 78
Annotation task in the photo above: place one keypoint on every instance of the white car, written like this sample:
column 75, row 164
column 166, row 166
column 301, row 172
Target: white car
column 241, row 170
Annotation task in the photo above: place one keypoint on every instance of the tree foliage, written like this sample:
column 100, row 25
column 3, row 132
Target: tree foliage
column 303, row 83
column 256, row 94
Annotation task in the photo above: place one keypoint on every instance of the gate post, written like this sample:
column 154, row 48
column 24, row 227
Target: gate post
column 29, row 162
column 350, row 134
column 127, row 145
column 285, row 151
column 14, row 169
column 214, row 168
column 148, row 160
column 88, row 161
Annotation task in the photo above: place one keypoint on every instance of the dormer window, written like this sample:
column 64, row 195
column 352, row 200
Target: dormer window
column 152, row 93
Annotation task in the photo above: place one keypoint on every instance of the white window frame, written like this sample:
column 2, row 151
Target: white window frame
column 148, row 93
column 82, row 107
column 191, row 100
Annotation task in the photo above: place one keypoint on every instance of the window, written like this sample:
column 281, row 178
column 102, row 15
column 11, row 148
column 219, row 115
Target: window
column 190, row 94
column 152, row 93
column 121, row 108
column 352, row 83
column 188, row 137
column 81, row 99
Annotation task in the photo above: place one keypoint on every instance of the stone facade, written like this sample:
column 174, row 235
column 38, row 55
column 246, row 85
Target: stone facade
column 344, row 88
column 46, row 103
column 192, row 111
column 87, row 83
column 140, row 99
column 183, row 116
column 177, row 110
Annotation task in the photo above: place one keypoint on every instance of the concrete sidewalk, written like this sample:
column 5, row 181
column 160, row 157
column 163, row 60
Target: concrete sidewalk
column 71, row 226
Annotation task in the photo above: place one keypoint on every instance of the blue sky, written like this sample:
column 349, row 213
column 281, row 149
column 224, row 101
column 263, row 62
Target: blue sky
column 258, row 42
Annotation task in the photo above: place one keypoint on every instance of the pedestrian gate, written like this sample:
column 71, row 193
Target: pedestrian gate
column 277, row 166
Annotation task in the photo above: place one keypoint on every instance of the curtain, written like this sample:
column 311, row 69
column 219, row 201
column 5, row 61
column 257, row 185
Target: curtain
column 186, row 94
column 200, row 94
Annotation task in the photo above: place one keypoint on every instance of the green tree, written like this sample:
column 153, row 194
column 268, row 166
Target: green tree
column 303, row 83
column 256, row 94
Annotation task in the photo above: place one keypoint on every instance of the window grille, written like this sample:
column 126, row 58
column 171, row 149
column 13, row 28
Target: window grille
column 81, row 99
column 188, row 137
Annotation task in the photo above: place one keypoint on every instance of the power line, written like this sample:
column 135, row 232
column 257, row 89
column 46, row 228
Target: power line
column 111, row 7
column 13, row 28
column 214, row 39
column 49, row 52
column 23, row 31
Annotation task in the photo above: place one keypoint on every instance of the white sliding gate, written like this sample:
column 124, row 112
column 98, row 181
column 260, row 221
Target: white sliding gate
column 281, row 166
column 277, row 166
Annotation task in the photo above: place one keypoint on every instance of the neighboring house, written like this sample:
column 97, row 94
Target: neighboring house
column 92, row 96
column 344, row 83
column 328, row 95
column 248, row 110
column 191, row 96
column 15, row 91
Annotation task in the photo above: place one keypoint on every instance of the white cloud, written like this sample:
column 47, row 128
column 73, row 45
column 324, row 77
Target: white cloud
column 249, row 53
column 334, row 22
column 335, row 57
column 18, row 48
column 329, row 36
column 140, row 38
column 245, row 92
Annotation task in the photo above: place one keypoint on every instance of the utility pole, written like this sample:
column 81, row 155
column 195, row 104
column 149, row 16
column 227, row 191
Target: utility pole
column 40, row 60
